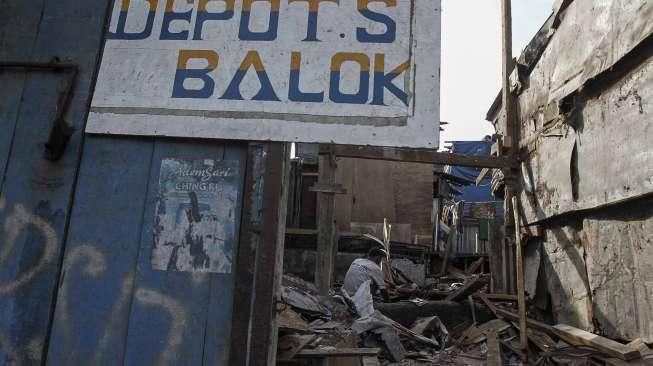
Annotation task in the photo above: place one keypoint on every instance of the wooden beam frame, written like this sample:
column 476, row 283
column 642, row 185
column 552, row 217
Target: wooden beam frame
column 326, row 225
column 425, row 156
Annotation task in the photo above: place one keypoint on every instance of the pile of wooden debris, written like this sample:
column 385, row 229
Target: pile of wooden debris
column 450, row 320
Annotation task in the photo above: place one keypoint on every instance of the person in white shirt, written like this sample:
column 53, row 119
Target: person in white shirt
column 367, row 269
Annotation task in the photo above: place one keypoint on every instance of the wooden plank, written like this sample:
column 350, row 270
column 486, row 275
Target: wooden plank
column 639, row 345
column 509, row 127
column 325, row 188
column 345, row 175
column 521, row 296
column 373, row 205
column 270, row 256
column 472, row 285
column 493, row 349
column 371, row 361
column 507, row 315
column 612, row 348
column 475, row 266
column 425, row 156
column 249, row 242
column 296, row 343
column 91, row 319
column 479, row 333
column 297, row 231
column 501, row 297
column 338, row 352
column 412, row 186
column 326, row 226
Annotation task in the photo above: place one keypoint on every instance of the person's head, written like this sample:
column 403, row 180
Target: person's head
column 376, row 255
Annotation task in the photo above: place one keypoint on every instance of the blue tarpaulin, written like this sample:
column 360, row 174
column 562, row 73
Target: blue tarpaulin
column 473, row 193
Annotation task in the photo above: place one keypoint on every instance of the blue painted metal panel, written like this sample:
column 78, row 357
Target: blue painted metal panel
column 18, row 29
column 91, row 317
column 172, row 312
column 113, row 307
column 220, row 307
column 37, row 193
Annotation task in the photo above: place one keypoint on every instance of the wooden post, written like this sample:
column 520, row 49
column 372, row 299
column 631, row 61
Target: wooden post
column 436, row 223
column 259, row 260
column 507, row 66
column 326, row 225
column 521, row 298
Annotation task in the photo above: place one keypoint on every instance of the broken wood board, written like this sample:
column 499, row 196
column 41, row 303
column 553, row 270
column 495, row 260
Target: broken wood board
column 479, row 334
column 290, row 320
column 471, row 286
column 643, row 349
column 475, row 266
column 493, row 349
column 579, row 337
column 371, row 361
column 290, row 345
column 338, row 352
column 507, row 315
column 499, row 297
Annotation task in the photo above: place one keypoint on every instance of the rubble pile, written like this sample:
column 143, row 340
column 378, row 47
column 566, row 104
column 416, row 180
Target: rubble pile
column 449, row 320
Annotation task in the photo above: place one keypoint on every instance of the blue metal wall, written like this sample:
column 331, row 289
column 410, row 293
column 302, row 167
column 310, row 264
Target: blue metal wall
column 76, row 284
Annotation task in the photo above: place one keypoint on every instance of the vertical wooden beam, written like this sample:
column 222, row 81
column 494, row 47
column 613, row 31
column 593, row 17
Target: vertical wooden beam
column 269, row 265
column 521, row 298
column 326, row 225
column 260, row 255
column 436, row 223
column 507, row 65
column 504, row 269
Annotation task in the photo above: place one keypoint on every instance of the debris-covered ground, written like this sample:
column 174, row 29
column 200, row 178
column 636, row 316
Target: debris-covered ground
column 450, row 320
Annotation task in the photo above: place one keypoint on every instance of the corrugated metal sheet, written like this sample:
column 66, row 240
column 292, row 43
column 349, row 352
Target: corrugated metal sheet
column 469, row 242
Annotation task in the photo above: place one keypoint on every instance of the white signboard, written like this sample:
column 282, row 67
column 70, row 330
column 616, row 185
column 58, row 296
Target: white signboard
column 363, row 72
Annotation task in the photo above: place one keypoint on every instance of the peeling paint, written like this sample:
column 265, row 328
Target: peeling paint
column 195, row 223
